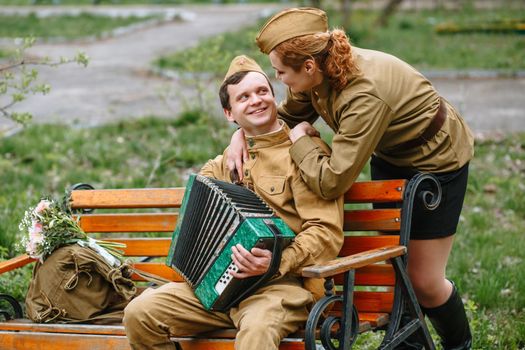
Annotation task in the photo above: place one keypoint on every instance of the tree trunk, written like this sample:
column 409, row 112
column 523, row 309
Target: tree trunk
column 346, row 6
column 316, row 3
column 389, row 9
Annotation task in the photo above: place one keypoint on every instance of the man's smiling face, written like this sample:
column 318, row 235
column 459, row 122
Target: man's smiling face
column 253, row 105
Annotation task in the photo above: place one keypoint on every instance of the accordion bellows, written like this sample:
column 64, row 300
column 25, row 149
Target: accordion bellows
column 214, row 216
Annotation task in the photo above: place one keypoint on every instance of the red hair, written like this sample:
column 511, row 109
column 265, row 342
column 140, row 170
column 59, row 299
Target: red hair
column 331, row 51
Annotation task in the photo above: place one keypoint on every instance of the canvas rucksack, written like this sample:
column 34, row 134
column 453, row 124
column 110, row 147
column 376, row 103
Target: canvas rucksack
column 75, row 284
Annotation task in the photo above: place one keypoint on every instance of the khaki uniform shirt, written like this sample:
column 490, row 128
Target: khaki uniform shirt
column 272, row 174
column 387, row 104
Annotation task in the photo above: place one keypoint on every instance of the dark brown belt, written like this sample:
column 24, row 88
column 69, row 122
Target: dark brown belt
column 433, row 128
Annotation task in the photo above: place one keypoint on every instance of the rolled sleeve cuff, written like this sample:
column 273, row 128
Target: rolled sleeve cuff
column 286, row 262
column 301, row 148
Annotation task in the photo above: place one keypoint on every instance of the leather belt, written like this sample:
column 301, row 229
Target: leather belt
column 432, row 129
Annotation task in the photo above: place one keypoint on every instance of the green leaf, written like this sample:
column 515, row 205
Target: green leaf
column 18, row 97
column 21, row 118
column 82, row 58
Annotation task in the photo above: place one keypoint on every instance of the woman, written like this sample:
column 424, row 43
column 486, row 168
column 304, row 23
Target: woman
column 378, row 107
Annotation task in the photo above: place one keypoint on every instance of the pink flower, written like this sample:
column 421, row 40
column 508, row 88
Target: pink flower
column 32, row 245
column 36, row 229
column 42, row 205
column 36, row 238
column 30, row 248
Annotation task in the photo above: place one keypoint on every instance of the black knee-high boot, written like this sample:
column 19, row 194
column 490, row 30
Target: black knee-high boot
column 451, row 323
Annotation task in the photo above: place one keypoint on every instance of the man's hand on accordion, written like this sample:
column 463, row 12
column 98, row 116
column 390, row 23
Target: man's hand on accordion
column 252, row 263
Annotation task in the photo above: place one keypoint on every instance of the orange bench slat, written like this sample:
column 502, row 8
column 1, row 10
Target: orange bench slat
column 128, row 198
column 372, row 220
column 145, row 222
column 144, row 246
column 60, row 341
column 28, row 325
column 373, row 306
column 376, row 191
column 375, row 319
column 158, row 269
column 372, row 275
column 373, row 301
column 15, row 263
column 356, row 244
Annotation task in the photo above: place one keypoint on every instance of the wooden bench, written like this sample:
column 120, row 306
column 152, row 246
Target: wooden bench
column 371, row 282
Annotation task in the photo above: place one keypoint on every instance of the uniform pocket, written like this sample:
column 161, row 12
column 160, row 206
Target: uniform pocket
column 271, row 185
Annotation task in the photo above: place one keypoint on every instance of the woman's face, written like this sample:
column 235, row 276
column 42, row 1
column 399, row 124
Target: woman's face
column 299, row 81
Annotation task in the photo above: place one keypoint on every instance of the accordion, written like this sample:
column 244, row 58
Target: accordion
column 214, row 216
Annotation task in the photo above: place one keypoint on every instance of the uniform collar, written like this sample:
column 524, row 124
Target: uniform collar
column 269, row 139
column 322, row 90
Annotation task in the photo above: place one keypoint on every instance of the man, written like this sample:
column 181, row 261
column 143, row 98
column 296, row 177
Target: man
column 281, row 306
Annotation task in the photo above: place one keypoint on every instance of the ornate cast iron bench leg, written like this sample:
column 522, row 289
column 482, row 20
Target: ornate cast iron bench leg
column 348, row 323
column 406, row 303
column 14, row 311
column 404, row 297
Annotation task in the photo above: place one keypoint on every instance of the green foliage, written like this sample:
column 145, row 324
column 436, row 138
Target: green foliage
column 188, row 117
column 18, row 80
column 197, row 71
column 14, row 283
column 63, row 26
column 503, row 26
column 410, row 35
column 3, row 53
column 215, row 54
column 44, row 160
column 486, row 262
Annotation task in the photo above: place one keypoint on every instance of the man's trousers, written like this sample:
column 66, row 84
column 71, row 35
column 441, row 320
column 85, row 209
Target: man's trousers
column 262, row 320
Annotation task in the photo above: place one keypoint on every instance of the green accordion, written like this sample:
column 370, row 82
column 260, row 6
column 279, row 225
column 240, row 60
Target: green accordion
column 216, row 215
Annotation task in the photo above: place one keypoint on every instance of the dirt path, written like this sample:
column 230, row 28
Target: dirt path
column 117, row 83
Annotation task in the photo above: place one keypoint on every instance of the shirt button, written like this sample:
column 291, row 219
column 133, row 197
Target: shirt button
column 272, row 189
column 253, row 155
column 246, row 172
column 251, row 142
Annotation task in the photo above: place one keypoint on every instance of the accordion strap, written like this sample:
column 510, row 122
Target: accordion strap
column 152, row 278
column 272, row 269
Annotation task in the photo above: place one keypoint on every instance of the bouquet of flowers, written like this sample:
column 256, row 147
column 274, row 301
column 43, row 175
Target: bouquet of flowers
column 47, row 227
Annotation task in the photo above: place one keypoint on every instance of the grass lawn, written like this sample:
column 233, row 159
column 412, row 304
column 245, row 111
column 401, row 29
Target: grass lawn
column 487, row 262
column 45, row 159
column 4, row 54
column 410, row 35
column 66, row 26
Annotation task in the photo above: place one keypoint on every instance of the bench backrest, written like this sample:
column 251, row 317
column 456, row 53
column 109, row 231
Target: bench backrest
column 137, row 217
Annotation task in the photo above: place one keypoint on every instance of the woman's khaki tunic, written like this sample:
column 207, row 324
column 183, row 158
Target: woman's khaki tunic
column 387, row 104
